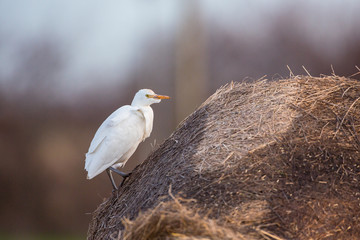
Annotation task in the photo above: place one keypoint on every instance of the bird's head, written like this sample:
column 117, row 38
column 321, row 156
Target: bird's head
column 146, row 97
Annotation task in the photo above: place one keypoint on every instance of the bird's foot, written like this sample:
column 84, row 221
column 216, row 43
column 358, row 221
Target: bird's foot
column 115, row 191
column 124, row 178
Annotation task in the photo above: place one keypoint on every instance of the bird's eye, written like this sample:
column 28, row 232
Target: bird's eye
column 147, row 95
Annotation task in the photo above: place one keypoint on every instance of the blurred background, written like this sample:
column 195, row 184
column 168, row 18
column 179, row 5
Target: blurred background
column 66, row 65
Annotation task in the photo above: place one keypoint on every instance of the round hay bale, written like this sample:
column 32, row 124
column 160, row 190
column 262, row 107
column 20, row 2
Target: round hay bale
column 172, row 220
column 264, row 160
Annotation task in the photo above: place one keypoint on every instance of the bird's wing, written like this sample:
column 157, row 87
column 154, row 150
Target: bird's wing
column 115, row 118
column 116, row 138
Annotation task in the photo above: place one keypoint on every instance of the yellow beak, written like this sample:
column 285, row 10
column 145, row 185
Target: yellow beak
column 159, row 96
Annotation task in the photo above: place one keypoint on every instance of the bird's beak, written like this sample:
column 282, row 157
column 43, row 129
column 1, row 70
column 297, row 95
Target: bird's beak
column 159, row 96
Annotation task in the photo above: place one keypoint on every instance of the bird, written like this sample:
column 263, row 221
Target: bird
column 120, row 134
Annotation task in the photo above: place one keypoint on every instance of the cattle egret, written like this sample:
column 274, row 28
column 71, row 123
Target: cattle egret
column 120, row 134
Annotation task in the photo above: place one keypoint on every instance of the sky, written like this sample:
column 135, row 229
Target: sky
column 102, row 35
column 106, row 36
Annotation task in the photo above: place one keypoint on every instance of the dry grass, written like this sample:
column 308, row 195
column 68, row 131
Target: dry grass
column 263, row 160
column 172, row 220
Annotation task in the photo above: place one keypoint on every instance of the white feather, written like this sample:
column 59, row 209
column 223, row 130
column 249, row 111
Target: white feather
column 120, row 134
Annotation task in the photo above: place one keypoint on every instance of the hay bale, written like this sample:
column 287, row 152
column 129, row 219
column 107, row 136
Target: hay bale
column 266, row 160
column 172, row 220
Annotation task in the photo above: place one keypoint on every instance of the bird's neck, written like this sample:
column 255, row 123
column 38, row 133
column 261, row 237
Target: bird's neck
column 149, row 117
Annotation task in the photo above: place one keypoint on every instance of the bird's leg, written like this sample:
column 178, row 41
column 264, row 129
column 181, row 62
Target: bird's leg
column 124, row 175
column 111, row 178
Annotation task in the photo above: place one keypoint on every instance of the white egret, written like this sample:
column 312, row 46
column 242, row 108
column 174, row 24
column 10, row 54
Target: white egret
column 120, row 134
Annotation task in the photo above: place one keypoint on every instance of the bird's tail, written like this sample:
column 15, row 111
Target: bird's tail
column 88, row 161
